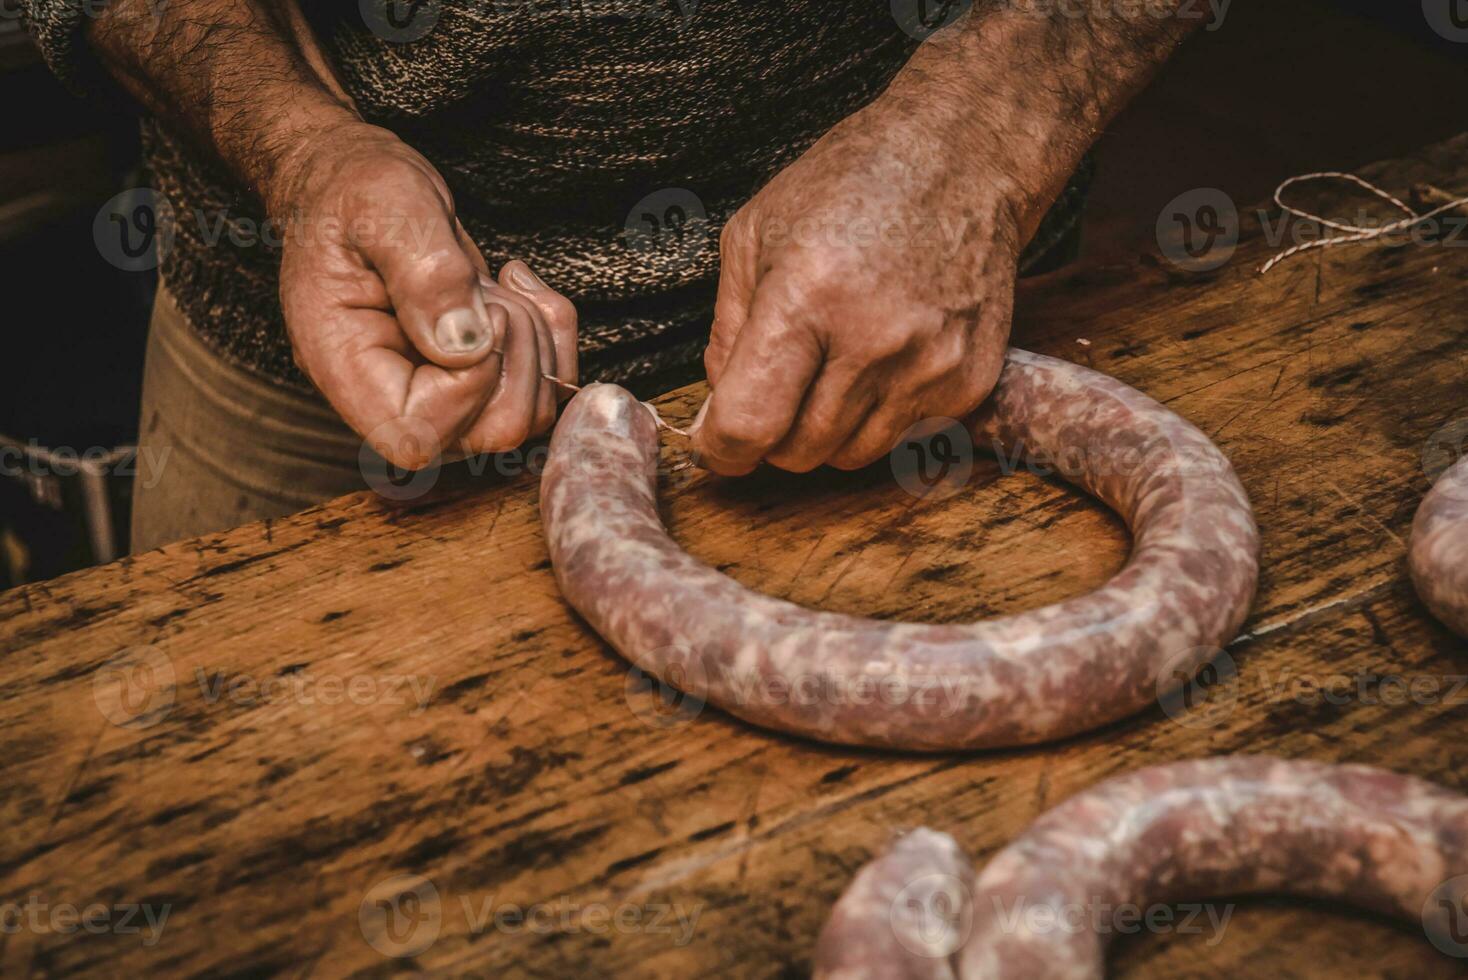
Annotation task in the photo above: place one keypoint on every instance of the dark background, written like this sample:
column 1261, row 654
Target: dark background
column 1282, row 87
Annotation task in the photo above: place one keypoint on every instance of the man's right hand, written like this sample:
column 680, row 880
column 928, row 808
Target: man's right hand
column 390, row 307
column 393, row 313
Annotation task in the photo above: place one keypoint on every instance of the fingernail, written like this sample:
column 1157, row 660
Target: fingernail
column 521, row 276
column 463, row 330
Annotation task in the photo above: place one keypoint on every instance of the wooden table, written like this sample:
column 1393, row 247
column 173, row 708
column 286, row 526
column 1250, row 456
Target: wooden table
column 291, row 767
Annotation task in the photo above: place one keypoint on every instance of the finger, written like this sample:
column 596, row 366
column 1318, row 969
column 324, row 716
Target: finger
column 762, row 386
column 549, row 396
column 559, row 313
column 547, row 391
column 731, row 305
column 513, row 278
column 408, row 411
column 433, row 283
column 507, row 418
column 875, row 439
column 834, row 410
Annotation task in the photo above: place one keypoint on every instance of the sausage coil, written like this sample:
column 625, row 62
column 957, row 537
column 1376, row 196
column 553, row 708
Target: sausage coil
column 1437, row 554
column 1041, row 909
column 1020, row 679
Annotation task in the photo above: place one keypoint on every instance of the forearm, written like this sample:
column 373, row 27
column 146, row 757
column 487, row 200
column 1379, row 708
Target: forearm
column 244, row 79
column 1030, row 85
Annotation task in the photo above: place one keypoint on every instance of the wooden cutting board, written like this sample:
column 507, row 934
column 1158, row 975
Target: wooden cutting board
column 371, row 690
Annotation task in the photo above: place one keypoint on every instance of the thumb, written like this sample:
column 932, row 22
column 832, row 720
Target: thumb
column 432, row 282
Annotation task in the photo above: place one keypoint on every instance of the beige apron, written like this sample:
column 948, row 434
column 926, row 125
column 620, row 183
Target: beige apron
column 226, row 447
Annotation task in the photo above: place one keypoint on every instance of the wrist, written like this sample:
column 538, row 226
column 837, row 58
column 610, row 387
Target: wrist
column 283, row 153
column 992, row 171
column 985, row 88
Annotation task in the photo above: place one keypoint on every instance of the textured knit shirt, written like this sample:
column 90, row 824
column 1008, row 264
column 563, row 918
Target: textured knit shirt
column 605, row 142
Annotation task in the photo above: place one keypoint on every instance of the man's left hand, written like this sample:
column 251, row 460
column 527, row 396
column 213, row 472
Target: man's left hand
column 868, row 286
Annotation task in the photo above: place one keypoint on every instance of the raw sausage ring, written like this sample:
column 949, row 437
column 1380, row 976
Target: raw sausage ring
column 1015, row 680
column 1437, row 554
column 1191, row 830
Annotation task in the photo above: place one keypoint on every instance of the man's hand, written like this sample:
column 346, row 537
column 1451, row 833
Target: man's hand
column 867, row 286
column 393, row 314
column 870, row 284
column 390, row 307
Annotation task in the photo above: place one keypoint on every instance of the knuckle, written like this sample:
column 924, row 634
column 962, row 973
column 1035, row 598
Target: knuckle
column 724, row 467
column 794, row 460
column 868, row 447
column 714, row 357
column 498, row 438
column 911, row 338
column 437, row 270
column 406, row 451
column 871, row 361
column 852, row 459
column 743, row 433
column 372, row 186
column 480, row 441
column 943, row 364
column 735, row 232
column 560, row 311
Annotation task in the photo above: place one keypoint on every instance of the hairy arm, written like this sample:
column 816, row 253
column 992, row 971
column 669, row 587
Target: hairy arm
column 1043, row 76
column 391, row 309
column 826, row 347
column 244, row 79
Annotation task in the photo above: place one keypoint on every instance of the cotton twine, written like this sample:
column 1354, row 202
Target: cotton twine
column 1350, row 232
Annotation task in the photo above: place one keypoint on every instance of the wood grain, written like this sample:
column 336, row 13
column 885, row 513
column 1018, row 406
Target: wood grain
column 263, row 805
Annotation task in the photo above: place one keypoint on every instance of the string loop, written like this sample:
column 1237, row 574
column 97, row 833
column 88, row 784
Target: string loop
column 1351, row 233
